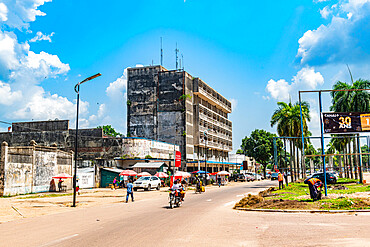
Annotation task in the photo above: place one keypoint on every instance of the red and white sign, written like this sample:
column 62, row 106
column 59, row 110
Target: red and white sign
column 178, row 159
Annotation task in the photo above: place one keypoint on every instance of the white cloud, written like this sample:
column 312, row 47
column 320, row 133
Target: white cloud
column 40, row 36
column 306, row 78
column 22, row 70
column 42, row 105
column 115, row 89
column 45, row 64
column 279, row 89
column 3, row 12
column 22, row 12
column 8, row 52
column 325, row 12
column 234, row 103
column 344, row 40
column 7, row 96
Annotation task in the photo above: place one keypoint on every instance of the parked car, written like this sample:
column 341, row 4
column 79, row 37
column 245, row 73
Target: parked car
column 238, row 177
column 268, row 175
column 249, row 177
column 330, row 177
column 147, row 183
column 274, row 176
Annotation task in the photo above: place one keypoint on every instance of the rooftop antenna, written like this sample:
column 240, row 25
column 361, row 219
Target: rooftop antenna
column 182, row 58
column 161, row 53
column 180, row 64
column 176, row 51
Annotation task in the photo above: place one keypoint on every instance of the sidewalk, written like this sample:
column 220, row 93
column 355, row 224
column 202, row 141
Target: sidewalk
column 31, row 205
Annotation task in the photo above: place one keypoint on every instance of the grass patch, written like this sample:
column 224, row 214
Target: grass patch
column 294, row 190
column 346, row 180
column 344, row 204
column 289, row 198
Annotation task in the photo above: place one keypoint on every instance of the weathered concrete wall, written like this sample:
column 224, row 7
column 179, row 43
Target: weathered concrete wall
column 30, row 169
column 92, row 145
column 54, row 125
column 142, row 96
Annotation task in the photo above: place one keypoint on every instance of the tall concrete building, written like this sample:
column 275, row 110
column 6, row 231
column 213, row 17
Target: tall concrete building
column 175, row 107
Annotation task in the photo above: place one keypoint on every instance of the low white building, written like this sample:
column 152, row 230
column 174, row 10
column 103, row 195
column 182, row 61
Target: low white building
column 142, row 148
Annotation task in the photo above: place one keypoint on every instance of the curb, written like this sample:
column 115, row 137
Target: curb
column 303, row 211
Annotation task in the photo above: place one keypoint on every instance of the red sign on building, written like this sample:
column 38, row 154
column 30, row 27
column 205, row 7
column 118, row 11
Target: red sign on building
column 178, row 159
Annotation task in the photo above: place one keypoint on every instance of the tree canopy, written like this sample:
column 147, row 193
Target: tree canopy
column 260, row 146
column 109, row 130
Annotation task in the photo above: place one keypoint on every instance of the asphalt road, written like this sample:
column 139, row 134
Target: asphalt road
column 203, row 220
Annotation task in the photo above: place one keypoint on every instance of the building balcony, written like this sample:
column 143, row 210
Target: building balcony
column 224, row 123
column 216, row 123
column 205, row 92
column 207, row 96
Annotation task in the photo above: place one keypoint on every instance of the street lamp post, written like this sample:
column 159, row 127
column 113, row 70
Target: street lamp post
column 205, row 160
column 77, row 90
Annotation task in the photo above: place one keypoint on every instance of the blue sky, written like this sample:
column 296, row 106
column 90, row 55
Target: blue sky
column 255, row 53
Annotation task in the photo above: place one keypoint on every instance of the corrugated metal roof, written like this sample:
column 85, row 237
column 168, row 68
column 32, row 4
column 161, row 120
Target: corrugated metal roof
column 148, row 165
column 116, row 170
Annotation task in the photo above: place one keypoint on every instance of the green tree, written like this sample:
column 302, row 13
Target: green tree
column 109, row 130
column 351, row 101
column 287, row 117
column 260, row 146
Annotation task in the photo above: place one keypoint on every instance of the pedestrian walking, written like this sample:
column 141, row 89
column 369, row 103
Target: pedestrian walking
column 77, row 187
column 60, row 184
column 114, row 183
column 130, row 191
column 281, row 181
column 219, row 181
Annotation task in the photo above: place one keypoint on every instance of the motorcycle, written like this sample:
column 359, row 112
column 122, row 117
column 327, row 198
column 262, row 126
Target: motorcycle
column 199, row 188
column 175, row 198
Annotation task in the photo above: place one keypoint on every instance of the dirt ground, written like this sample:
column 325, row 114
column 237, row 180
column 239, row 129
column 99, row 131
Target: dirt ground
column 32, row 205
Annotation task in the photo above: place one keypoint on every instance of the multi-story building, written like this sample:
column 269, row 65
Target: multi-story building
column 175, row 107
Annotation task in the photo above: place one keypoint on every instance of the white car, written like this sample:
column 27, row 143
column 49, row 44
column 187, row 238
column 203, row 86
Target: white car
column 147, row 183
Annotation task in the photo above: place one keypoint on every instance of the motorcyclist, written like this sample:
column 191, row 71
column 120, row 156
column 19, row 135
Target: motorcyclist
column 179, row 189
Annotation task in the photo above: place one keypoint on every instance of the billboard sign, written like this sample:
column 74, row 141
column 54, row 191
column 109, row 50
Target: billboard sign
column 346, row 122
column 178, row 159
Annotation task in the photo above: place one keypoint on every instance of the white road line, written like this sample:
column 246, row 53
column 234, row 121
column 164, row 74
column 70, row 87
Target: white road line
column 229, row 203
column 59, row 240
column 209, row 200
column 239, row 195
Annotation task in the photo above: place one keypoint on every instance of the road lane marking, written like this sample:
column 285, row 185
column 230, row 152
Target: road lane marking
column 229, row 204
column 239, row 195
column 59, row 240
column 209, row 200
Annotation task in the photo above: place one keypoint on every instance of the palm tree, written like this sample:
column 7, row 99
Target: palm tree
column 288, row 120
column 351, row 101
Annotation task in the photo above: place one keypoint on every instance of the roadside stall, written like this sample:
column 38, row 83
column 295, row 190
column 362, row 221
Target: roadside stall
column 224, row 177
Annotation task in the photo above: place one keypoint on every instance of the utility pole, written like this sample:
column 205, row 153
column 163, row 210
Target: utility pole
column 161, row 53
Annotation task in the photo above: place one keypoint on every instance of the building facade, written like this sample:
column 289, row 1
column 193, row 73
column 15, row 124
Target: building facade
column 173, row 106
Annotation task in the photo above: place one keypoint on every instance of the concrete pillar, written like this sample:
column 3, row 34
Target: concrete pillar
column 312, row 166
column 3, row 161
